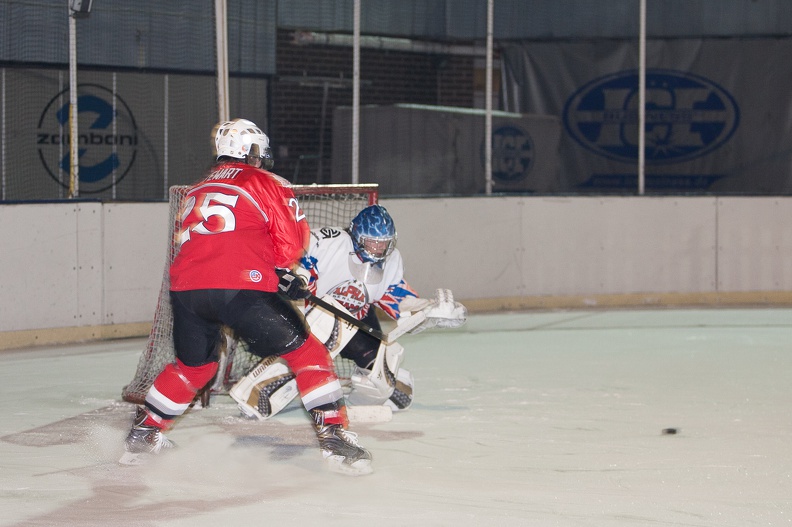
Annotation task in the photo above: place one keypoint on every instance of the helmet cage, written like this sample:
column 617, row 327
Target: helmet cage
column 265, row 156
column 375, row 248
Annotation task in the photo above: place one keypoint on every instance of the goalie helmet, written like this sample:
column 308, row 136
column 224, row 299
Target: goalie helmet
column 242, row 139
column 373, row 234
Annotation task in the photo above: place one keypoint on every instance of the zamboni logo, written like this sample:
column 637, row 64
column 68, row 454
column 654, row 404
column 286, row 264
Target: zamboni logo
column 512, row 154
column 108, row 138
column 687, row 116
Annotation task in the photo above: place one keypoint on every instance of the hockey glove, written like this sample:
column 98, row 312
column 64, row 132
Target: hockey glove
column 441, row 311
column 292, row 285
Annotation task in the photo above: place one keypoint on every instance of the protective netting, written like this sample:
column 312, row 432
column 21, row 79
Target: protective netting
column 324, row 205
column 147, row 94
column 148, row 97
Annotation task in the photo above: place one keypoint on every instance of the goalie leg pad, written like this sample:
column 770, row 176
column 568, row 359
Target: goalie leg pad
column 266, row 390
column 333, row 333
column 402, row 396
column 368, row 389
column 394, row 355
column 376, row 386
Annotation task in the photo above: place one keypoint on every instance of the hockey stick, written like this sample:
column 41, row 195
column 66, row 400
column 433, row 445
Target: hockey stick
column 408, row 324
column 374, row 332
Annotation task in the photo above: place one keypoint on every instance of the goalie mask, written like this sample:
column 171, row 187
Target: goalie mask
column 373, row 234
column 242, row 139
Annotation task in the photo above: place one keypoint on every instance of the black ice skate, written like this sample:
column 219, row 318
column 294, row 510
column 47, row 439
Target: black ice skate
column 143, row 441
column 340, row 449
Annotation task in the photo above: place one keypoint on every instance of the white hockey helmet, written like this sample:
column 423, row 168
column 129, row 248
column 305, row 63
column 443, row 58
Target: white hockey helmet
column 242, row 139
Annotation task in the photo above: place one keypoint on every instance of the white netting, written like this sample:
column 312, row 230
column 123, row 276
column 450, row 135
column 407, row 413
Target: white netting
column 324, row 205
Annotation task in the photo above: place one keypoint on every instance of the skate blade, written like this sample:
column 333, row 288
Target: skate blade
column 134, row 459
column 361, row 467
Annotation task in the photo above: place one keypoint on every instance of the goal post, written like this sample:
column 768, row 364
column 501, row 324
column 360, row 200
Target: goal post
column 323, row 205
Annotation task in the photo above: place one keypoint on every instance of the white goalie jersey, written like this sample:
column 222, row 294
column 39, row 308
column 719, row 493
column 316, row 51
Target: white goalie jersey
column 331, row 267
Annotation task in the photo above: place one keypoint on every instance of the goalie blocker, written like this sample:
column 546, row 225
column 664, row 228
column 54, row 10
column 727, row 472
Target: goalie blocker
column 270, row 386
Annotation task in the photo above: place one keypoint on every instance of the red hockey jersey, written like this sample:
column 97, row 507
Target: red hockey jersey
column 238, row 224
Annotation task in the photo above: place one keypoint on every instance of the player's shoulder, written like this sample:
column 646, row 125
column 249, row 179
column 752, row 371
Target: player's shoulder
column 269, row 180
column 265, row 187
column 329, row 233
column 278, row 180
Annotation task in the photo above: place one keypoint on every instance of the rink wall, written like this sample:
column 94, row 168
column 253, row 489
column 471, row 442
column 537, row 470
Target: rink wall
column 89, row 270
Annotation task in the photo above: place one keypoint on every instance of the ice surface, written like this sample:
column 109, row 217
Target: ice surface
column 542, row 418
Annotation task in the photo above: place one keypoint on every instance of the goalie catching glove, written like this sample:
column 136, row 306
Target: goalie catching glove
column 441, row 311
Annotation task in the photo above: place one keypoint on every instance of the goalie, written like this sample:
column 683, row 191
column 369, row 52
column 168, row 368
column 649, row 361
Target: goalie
column 355, row 269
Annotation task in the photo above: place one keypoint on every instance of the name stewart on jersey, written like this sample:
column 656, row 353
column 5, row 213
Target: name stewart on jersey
column 224, row 173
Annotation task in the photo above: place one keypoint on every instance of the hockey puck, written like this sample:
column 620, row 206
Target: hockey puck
column 670, row 431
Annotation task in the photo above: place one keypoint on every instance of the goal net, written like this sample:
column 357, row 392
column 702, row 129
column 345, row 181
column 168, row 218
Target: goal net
column 323, row 205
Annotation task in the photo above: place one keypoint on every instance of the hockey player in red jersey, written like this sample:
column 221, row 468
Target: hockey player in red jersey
column 242, row 233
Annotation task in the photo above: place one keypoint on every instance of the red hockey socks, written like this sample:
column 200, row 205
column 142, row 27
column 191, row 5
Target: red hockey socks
column 173, row 391
column 317, row 381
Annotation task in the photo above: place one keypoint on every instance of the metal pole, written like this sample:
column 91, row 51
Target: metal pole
column 488, row 103
column 63, row 128
column 642, row 100
column 3, row 135
column 356, row 96
column 165, row 120
column 221, row 36
column 320, row 165
column 74, row 137
column 115, row 132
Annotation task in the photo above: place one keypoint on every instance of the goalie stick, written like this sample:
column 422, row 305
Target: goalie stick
column 405, row 324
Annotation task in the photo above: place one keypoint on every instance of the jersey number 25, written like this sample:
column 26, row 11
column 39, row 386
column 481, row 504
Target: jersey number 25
column 214, row 204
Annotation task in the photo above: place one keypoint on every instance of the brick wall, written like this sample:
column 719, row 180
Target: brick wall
column 387, row 77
